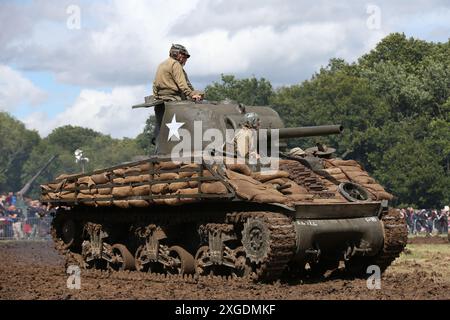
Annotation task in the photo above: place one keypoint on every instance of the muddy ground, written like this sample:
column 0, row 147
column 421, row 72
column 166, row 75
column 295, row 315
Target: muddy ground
column 33, row 270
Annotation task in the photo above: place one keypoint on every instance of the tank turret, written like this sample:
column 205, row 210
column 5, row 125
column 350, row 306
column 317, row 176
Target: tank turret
column 192, row 120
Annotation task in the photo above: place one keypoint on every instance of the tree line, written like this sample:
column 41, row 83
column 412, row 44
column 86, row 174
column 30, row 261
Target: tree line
column 394, row 103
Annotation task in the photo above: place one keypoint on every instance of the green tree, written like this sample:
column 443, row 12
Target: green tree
column 16, row 144
column 250, row 91
column 144, row 139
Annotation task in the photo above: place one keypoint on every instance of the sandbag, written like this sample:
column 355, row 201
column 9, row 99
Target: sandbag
column 65, row 176
column 383, row 195
column 160, row 201
column 119, row 172
column 66, row 195
column 294, row 188
column 125, row 191
column 100, row 178
column 119, row 180
column 241, row 168
column 173, row 187
column 186, row 174
column 350, row 168
column 121, row 204
column 133, row 179
column 270, row 175
column 145, row 178
column 86, row 180
column 188, row 191
column 269, row 198
column 88, row 191
column 141, row 190
column 138, row 203
column 69, row 186
column 145, row 167
column 340, row 177
column 193, row 184
column 103, row 203
column 278, row 181
column 168, row 165
column 104, row 191
column 132, row 171
column 56, row 196
column 213, row 188
column 167, row 176
column 375, row 187
column 160, row 188
column 333, row 171
column 55, row 186
column 247, row 188
column 338, row 162
column 364, row 180
column 82, row 196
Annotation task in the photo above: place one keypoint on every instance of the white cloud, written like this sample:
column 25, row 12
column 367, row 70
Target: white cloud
column 106, row 112
column 121, row 42
column 15, row 90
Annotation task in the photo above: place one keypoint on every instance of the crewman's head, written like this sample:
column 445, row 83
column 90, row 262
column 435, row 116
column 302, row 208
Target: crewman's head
column 179, row 53
column 251, row 120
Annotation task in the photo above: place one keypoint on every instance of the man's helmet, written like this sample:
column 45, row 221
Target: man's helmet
column 251, row 119
column 176, row 49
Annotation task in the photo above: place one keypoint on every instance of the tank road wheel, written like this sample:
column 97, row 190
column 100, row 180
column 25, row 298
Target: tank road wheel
column 269, row 240
column 121, row 258
column 182, row 262
column 203, row 264
column 255, row 238
column 143, row 263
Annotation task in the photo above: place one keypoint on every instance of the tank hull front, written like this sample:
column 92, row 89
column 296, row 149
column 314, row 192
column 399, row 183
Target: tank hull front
column 337, row 231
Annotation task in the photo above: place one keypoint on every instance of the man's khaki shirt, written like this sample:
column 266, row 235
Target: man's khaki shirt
column 171, row 82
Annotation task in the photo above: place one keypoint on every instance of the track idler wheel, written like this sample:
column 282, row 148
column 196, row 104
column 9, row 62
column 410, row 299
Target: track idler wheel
column 182, row 262
column 68, row 233
column 121, row 258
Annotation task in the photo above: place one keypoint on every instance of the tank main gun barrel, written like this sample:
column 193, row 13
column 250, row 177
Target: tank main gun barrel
column 287, row 133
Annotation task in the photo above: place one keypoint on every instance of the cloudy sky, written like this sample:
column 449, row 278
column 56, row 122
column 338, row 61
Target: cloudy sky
column 86, row 63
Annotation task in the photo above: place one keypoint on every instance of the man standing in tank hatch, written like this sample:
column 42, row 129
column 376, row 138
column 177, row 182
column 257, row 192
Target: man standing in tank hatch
column 172, row 83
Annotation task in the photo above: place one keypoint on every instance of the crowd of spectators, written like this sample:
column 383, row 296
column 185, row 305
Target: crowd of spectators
column 427, row 220
column 23, row 218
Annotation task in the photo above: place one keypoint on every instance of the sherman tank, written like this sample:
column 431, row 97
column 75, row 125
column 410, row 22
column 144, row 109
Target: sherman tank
column 207, row 212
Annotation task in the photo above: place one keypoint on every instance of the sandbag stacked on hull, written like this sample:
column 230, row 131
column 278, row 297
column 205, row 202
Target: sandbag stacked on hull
column 350, row 170
column 139, row 185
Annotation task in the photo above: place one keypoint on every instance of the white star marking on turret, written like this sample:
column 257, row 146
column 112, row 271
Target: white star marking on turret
column 173, row 128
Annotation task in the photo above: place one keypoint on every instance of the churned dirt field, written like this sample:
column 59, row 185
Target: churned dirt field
column 33, row 270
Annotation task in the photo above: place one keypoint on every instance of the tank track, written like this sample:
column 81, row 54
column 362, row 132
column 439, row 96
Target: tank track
column 395, row 240
column 281, row 243
column 281, row 247
column 304, row 176
column 70, row 257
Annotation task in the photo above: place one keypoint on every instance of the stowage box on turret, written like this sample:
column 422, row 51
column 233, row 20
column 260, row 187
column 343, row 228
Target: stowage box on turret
column 205, row 211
